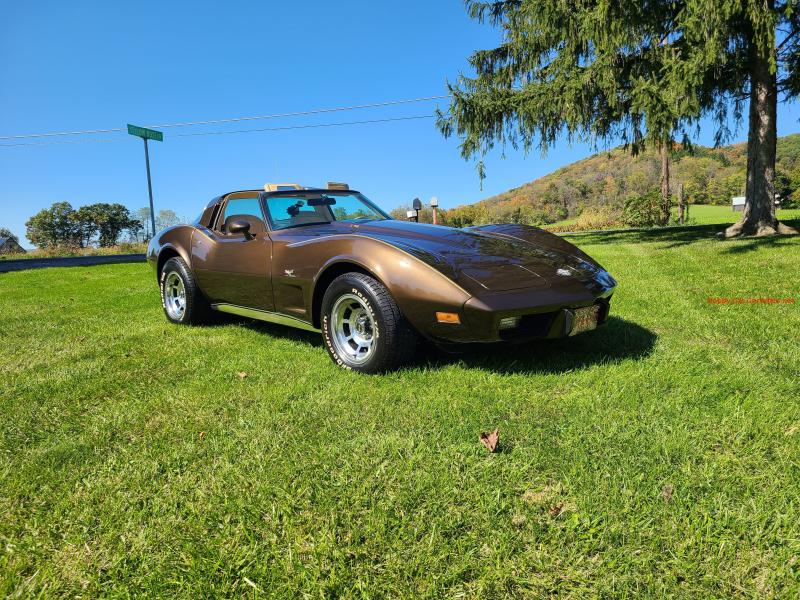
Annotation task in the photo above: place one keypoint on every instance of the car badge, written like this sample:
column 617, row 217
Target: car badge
column 289, row 272
column 563, row 272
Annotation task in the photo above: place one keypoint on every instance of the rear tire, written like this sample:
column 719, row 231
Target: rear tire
column 182, row 300
column 362, row 326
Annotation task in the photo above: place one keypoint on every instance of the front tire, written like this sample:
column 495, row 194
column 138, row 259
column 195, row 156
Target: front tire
column 182, row 300
column 362, row 326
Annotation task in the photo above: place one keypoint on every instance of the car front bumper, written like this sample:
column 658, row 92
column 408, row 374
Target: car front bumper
column 538, row 313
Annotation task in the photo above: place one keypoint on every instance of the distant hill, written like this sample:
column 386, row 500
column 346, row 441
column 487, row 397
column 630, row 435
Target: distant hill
column 603, row 182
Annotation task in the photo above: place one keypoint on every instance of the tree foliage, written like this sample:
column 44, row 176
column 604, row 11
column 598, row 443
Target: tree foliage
column 7, row 233
column 61, row 225
column 640, row 72
column 54, row 226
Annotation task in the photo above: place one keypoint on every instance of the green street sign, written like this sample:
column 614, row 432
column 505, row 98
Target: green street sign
column 144, row 133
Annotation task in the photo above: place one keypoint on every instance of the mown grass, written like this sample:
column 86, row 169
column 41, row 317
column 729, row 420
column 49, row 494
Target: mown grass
column 699, row 214
column 135, row 462
column 706, row 214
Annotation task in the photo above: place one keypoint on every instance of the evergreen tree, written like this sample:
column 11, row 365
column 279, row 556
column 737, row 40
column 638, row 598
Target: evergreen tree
column 642, row 72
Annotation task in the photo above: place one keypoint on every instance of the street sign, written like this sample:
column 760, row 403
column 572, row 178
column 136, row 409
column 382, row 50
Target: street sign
column 145, row 133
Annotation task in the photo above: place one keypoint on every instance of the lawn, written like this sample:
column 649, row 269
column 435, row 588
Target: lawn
column 699, row 214
column 658, row 456
column 707, row 214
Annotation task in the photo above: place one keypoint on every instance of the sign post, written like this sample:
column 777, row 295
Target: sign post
column 147, row 134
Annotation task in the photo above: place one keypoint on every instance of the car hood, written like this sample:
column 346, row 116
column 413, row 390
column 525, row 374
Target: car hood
column 481, row 260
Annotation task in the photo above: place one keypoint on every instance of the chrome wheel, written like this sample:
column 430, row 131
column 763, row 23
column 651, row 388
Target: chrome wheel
column 353, row 329
column 174, row 296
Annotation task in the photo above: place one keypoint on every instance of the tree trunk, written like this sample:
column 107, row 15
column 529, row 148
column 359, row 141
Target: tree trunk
column 681, row 205
column 758, row 217
column 665, row 200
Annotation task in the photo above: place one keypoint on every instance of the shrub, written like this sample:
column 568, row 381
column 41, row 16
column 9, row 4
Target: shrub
column 596, row 217
column 643, row 211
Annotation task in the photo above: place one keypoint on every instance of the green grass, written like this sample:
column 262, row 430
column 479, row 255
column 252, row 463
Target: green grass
column 706, row 214
column 136, row 463
column 699, row 214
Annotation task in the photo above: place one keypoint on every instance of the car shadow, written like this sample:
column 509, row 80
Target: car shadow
column 284, row 332
column 616, row 340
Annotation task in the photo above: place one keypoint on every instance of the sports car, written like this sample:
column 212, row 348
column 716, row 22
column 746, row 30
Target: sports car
column 330, row 261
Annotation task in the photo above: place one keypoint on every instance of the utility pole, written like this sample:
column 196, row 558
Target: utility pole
column 148, row 134
column 149, row 188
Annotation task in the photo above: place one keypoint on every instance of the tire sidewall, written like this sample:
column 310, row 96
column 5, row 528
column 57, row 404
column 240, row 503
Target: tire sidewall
column 348, row 284
column 175, row 265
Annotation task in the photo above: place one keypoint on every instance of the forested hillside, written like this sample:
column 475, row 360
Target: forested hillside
column 604, row 184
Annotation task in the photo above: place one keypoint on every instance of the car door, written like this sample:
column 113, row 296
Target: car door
column 235, row 268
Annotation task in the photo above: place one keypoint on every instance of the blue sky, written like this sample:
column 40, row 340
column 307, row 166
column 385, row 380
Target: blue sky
column 86, row 65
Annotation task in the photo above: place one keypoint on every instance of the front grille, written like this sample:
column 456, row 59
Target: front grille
column 530, row 326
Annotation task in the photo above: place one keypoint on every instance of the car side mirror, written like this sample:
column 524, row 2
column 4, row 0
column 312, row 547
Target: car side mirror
column 241, row 226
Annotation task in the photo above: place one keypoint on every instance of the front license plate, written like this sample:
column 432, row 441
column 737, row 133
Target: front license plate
column 585, row 319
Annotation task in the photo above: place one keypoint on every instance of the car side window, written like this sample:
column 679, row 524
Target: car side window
column 242, row 209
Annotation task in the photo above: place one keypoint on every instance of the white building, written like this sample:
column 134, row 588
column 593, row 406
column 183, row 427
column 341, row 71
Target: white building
column 737, row 203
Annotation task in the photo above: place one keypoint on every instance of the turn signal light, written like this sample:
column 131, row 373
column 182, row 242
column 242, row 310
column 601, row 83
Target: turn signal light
column 444, row 317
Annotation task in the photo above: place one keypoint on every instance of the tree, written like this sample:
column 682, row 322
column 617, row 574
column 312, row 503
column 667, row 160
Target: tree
column 635, row 71
column 54, row 226
column 110, row 220
column 595, row 70
column 747, row 51
column 167, row 218
column 143, row 216
column 86, row 222
column 7, row 233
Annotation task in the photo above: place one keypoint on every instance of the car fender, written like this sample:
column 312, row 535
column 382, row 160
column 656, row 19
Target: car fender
column 418, row 289
column 176, row 239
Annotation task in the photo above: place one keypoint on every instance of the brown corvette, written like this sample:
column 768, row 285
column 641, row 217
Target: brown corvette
column 329, row 260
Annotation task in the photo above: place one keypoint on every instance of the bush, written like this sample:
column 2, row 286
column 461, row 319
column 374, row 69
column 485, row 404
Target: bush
column 643, row 211
column 596, row 217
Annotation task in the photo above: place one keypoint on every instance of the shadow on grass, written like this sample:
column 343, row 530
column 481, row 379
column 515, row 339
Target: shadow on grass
column 681, row 236
column 283, row 332
column 615, row 341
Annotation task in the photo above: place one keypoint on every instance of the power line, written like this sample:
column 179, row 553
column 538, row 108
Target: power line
column 306, row 126
column 201, row 133
column 230, row 120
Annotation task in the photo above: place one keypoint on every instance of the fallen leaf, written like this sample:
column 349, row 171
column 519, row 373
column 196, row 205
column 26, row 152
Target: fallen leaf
column 666, row 492
column 518, row 520
column 202, row 434
column 556, row 510
column 793, row 429
column 490, row 440
column 241, row 375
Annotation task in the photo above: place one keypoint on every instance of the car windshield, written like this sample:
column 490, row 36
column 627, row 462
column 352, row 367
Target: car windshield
column 313, row 208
